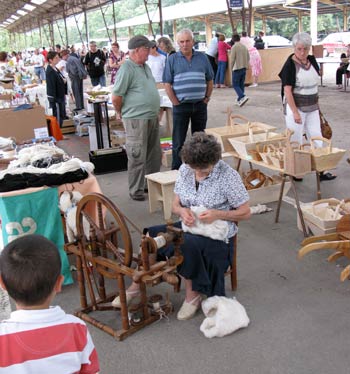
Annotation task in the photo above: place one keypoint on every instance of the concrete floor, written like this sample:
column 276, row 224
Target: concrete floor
column 298, row 308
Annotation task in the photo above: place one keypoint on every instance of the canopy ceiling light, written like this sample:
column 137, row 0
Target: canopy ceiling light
column 38, row 2
column 21, row 12
column 29, row 7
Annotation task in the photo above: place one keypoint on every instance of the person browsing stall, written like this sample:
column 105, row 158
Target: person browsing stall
column 239, row 65
column 136, row 100
column 300, row 79
column 40, row 338
column 116, row 60
column 209, row 198
column 188, row 78
column 56, row 88
column 95, row 61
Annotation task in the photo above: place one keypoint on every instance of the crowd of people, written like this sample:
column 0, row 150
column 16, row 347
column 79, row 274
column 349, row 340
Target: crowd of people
column 204, row 179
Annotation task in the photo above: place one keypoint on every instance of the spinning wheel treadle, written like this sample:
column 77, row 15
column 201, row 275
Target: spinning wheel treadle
column 108, row 254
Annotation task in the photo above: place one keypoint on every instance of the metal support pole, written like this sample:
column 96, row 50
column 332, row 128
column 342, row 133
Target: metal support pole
column 160, row 17
column 80, row 34
column 59, row 31
column 313, row 21
column 104, row 20
column 114, row 22
column 65, row 27
column 233, row 27
column 86, row 27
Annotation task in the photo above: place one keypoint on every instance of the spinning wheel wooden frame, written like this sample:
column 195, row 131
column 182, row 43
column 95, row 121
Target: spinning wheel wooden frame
column 108, row 254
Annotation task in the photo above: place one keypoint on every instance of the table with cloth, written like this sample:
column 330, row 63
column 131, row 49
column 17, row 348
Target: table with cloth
column 35, row 211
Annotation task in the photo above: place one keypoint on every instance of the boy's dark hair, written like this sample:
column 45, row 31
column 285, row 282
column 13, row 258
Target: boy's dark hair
column 29, row 267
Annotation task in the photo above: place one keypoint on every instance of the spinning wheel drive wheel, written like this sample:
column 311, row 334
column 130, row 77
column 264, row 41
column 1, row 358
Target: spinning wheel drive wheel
column 108, row 228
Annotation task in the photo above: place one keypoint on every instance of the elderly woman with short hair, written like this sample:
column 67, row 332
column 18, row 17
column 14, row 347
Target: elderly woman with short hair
column 207, row 182
column 300, row 80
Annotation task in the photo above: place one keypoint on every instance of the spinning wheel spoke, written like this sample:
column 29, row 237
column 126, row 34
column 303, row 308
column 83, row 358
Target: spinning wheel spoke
column 104, row 209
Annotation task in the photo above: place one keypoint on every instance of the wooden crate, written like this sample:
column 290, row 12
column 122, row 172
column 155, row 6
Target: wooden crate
column 243, row 144
column 316, row 230
column 269, row 194
column 234, row 128
column 68, row 126
column 310, row 213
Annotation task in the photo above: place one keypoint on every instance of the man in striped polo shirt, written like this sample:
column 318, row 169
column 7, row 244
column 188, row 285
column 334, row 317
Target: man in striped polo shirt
column 188, row 78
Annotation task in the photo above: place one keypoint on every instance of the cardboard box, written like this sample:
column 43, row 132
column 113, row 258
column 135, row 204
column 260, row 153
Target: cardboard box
column 21, row 124
column 7, row 85
column 7, row 97
column 117, row 140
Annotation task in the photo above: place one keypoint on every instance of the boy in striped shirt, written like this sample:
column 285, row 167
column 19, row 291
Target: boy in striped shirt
column 39, row 338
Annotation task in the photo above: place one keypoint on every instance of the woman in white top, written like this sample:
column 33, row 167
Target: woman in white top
column 300, row 80
column 156, row 62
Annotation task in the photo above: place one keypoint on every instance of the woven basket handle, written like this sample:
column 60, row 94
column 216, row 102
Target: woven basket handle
column 231, row 117
column 329, row 143
column 322, row 201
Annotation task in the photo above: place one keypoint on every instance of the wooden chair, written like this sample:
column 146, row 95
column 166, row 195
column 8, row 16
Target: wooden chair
column 232, row 270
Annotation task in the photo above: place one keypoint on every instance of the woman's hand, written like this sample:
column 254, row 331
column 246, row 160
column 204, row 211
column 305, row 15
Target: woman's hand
column 297, row 117
column 187, row 216
column 208, row 216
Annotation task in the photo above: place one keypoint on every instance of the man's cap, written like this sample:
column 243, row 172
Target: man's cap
column 140, row 41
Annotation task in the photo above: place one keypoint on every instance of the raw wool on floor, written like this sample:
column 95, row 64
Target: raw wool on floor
column 259, row 208
column 223, row 316
column 68, row 205
column 217, row 230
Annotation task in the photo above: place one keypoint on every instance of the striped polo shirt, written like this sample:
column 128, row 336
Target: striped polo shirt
column 188, row 78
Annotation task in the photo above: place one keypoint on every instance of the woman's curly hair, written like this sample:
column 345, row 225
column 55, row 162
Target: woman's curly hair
column 201, row 151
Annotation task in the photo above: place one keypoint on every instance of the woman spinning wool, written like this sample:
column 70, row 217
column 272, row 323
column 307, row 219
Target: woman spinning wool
column 300, row 79
column 209, row 198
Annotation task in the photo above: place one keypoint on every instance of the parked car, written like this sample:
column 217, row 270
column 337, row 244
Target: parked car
column 335, row 43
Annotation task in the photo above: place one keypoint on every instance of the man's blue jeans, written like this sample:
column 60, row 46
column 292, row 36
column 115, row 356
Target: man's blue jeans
column 101, row 80
column 182, row 114
column 238, row 78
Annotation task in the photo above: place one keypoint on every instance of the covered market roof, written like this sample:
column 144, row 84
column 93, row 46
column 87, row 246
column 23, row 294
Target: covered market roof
column 216, row 10
column 26, row 15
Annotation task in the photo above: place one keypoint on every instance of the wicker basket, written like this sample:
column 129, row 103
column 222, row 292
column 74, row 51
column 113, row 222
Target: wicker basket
column 325, row 158
column 253, row 179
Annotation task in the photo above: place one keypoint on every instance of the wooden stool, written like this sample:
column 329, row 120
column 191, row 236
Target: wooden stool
column 161, row 188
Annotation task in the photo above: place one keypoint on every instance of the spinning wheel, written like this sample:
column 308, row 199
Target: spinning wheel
column 339, row 242
column 100, row 205
column 104, row 257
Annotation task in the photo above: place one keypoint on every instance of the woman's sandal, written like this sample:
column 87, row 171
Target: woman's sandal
column 129, row 296
column 189, row 309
